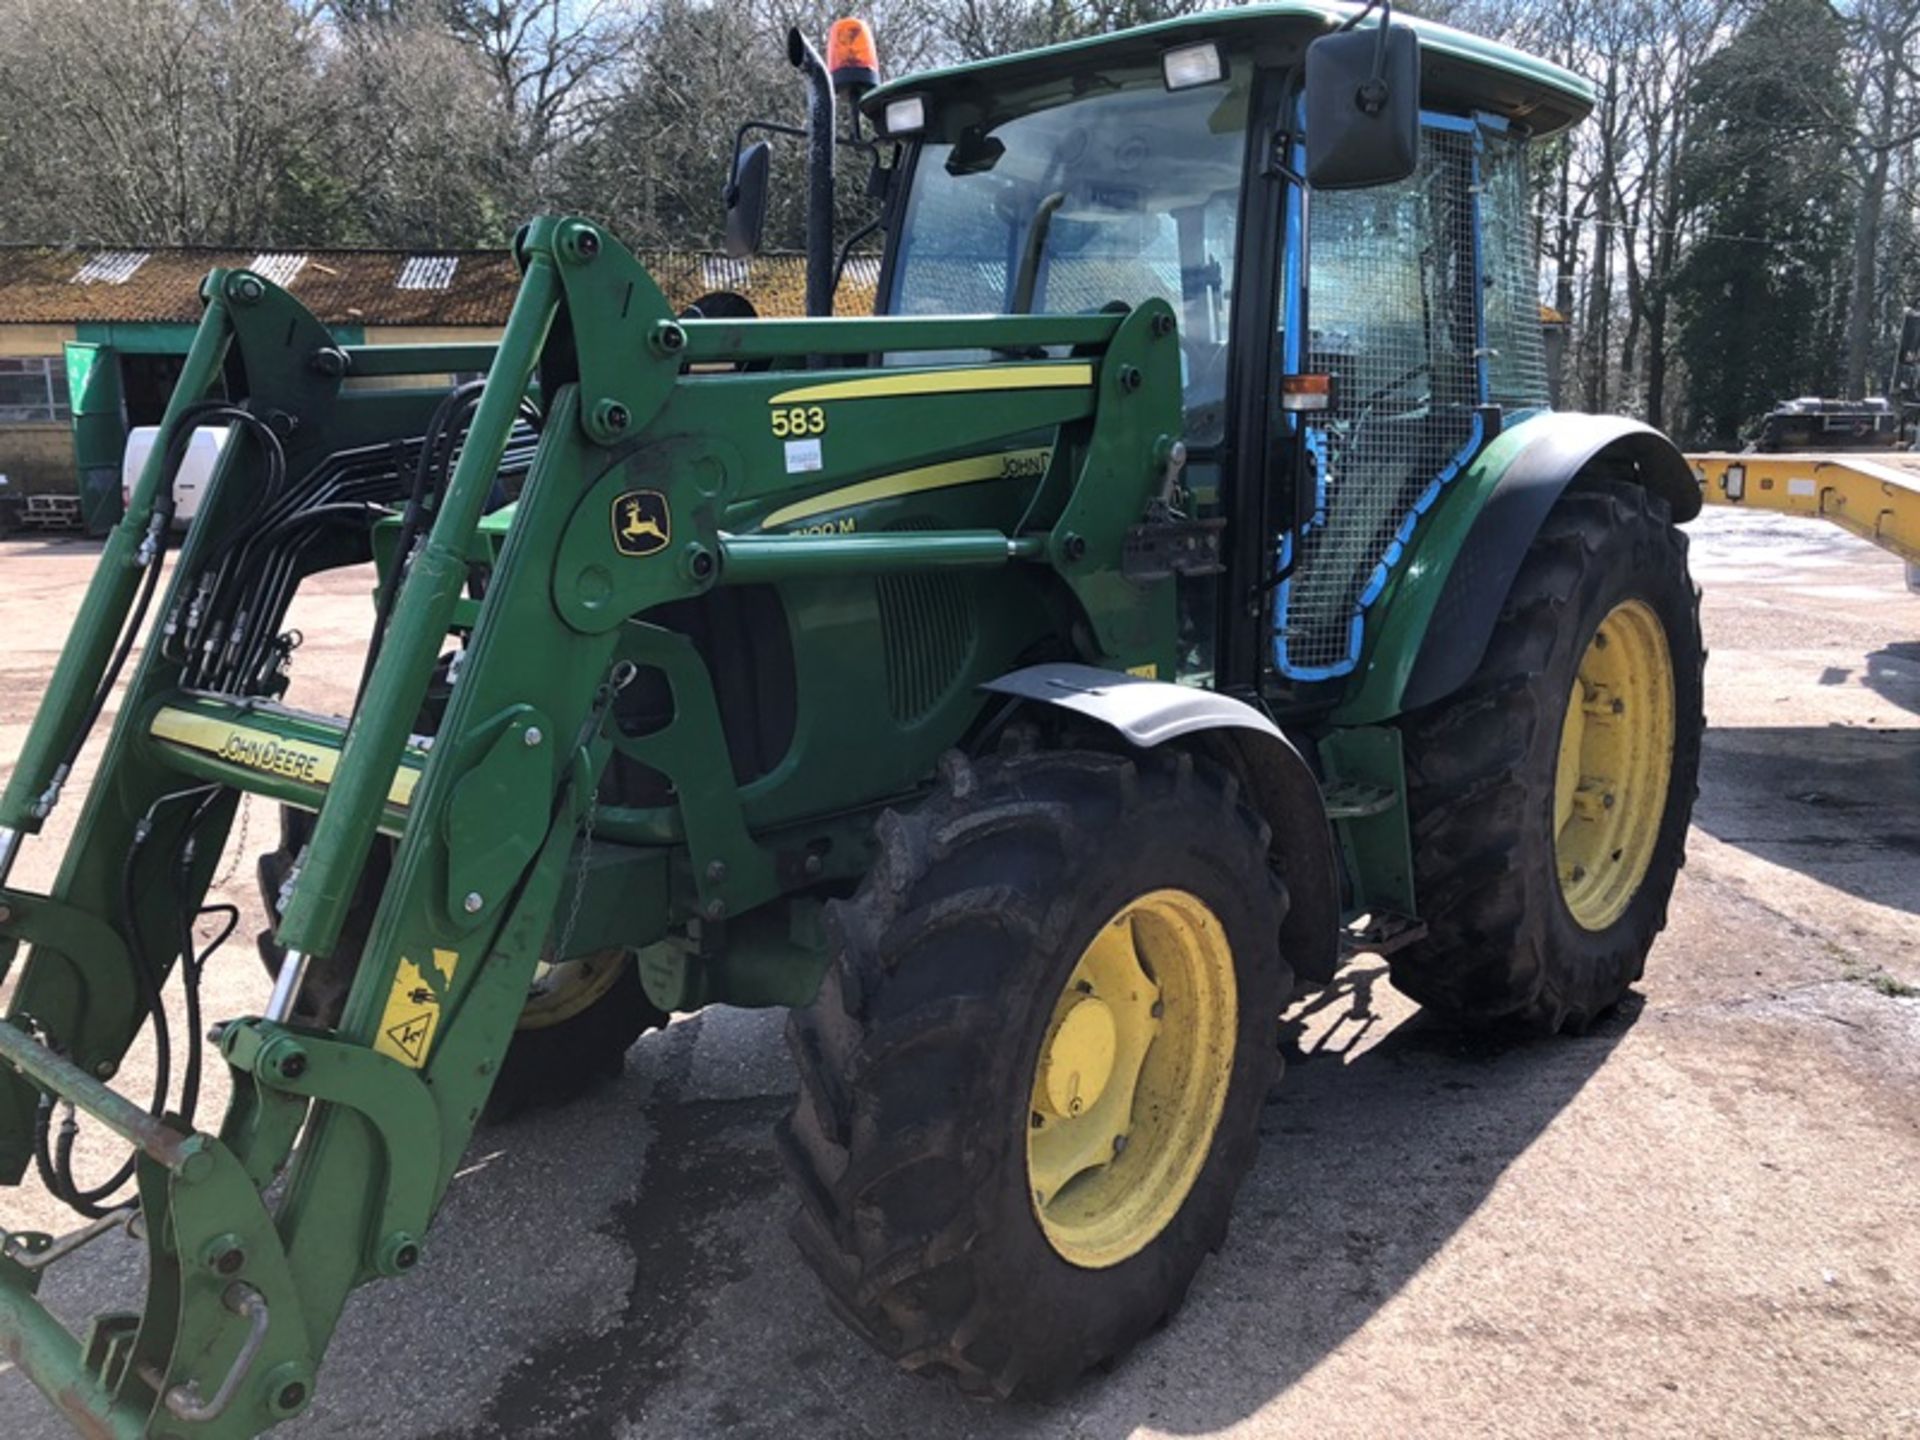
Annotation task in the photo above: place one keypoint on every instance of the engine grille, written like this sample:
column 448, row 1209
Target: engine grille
column 926, row 636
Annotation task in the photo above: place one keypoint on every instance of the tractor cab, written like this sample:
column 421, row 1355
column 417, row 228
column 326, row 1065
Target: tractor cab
column 1349, row 340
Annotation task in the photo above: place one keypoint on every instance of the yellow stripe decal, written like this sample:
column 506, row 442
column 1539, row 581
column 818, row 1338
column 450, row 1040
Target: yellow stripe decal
column 1001, row 465
column 413, row 1009
column 307, row 761
column 943, row 382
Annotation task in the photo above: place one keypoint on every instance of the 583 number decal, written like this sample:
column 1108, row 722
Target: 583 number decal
column 799, row 420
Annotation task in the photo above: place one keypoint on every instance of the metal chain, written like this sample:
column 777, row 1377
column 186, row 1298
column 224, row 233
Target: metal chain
column 237, row 847
column 579, row 879
column 617, row 680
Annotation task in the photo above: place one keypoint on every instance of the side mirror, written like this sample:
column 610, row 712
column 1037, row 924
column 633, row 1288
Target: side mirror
column 1363, row 107
column 747, row 200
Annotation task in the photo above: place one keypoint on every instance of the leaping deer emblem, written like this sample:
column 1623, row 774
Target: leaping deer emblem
column 638, row 532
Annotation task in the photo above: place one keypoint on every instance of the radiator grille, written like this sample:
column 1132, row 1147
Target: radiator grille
column 1392, row 319
column 926, row 634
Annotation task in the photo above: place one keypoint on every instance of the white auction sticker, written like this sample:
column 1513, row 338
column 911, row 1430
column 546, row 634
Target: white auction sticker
column 802, row 456
column 1794, row 487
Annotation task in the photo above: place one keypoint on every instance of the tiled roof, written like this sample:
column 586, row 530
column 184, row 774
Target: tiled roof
column 68, row 285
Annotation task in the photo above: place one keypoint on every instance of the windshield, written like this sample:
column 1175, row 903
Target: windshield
column 1121, row 196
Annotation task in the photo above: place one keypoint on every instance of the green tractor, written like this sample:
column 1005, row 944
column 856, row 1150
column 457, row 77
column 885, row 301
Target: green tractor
column 1180, row 582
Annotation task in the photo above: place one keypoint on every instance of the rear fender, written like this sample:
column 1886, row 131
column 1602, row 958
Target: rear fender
column 1439, row 610
column 1277, row 780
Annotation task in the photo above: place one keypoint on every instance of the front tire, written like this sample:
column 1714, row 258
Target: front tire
column 1032, row 1080
column 1551, row 795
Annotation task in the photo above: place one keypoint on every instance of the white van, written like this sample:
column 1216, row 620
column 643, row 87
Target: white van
column 196, row 469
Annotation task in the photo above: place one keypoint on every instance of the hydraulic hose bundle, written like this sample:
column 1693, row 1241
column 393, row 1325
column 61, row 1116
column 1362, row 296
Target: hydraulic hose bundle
column 225, row 635
column 226, row 632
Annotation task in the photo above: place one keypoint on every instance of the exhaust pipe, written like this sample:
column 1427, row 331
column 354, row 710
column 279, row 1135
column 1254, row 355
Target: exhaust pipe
column 806, row 59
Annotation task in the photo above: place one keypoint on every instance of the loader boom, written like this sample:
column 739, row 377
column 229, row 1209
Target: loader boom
column 638, row 496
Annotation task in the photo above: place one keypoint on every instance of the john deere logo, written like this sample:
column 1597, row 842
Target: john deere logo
column 642, row 525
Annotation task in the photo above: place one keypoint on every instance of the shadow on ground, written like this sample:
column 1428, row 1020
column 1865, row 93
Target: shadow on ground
column 1837, row 803
column 1378, row 1147
column 1893, row 673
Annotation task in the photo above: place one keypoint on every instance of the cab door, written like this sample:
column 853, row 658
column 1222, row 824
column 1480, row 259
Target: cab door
column 1385, row 301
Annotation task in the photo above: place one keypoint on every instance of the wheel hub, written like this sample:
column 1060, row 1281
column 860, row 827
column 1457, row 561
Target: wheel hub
column 1131, row 1078
column 1616, row 755
column 563, row 989
column 1079, row 1059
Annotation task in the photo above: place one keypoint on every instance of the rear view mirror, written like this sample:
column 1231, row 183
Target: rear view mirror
column 1363, row 107
column 747, row 200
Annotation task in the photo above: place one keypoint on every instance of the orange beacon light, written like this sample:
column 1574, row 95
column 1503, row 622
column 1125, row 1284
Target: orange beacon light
column 852, row 58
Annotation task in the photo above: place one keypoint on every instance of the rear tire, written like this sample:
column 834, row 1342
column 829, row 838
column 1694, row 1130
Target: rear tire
column 1517, row 929
column 912, row 1141
column 557, row 1052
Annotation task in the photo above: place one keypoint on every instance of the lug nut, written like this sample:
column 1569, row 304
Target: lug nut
column 532, row 737
column 473, row 902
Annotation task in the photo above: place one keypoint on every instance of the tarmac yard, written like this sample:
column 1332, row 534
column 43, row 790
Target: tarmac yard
column 1700, row 1218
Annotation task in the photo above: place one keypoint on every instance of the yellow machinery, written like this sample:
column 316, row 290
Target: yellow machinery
column 1877, row 496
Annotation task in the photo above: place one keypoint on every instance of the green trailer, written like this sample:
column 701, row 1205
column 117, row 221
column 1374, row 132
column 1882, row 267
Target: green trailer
column 1180, row 582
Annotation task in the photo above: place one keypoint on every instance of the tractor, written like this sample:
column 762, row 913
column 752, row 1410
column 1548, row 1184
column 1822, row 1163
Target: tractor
column 1181, row 582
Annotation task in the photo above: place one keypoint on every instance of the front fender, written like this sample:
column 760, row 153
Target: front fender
column 1438, row 612
column 1279, row 784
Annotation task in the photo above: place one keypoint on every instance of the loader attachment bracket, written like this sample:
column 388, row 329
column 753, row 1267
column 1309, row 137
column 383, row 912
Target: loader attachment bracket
column 386, row 1093
column 222, row 1347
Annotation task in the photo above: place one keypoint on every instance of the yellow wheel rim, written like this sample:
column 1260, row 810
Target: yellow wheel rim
column 1616, row 755
column 1131, row 1079
column 563, row 991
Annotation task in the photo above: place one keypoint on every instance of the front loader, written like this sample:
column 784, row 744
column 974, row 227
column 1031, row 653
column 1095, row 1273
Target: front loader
column 1035, row 686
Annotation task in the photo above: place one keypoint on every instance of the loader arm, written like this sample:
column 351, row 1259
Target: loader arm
column 662, row 470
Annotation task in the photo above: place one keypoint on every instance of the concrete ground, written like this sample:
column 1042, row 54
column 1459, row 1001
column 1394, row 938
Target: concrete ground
column 1702, row 1218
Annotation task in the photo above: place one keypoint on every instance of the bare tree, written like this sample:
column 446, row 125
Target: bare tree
column 181, row 130
column 550, row 59
column 1883, row 120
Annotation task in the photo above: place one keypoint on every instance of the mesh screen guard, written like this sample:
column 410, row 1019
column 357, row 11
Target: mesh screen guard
column 1394, row 317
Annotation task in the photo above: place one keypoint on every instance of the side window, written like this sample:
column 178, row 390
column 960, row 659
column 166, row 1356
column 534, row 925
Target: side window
column 1390, row 315
column 1516, row 346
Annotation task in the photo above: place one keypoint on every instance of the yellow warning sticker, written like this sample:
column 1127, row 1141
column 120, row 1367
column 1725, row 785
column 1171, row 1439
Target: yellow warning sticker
column 1144, row 672
column 412, row 1015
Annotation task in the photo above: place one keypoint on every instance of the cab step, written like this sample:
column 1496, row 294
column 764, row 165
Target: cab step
column 1354, row 800
column 1380, row 934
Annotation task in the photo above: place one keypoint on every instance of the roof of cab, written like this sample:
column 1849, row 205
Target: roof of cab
column 1457, row 68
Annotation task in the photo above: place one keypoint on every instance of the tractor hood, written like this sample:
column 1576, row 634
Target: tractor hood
column 1459, row 71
